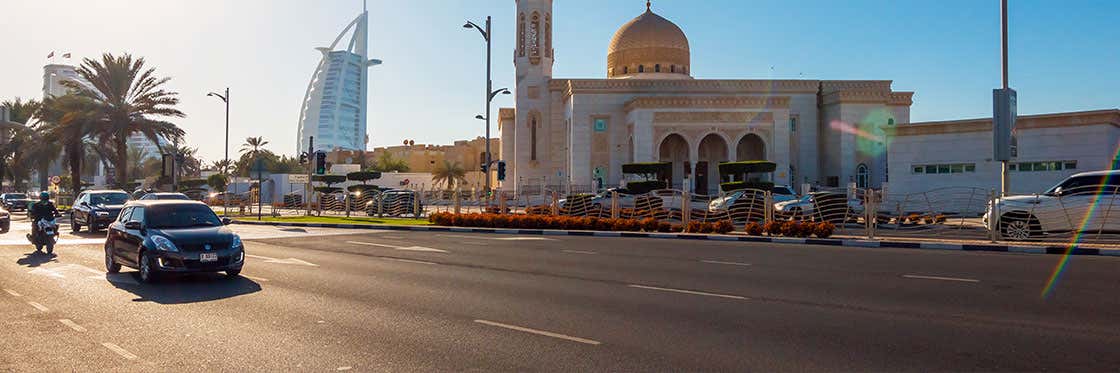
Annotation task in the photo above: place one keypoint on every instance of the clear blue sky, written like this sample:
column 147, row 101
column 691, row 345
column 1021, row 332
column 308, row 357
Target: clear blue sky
column 1065, row 54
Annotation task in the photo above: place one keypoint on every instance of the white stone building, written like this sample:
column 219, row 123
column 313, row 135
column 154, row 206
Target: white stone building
column 649, row 108
column 931, row 155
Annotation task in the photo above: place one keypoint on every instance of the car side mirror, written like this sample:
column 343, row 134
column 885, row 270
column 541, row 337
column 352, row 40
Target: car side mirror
column 133, row 225
column 227, row 221
column 84, row 204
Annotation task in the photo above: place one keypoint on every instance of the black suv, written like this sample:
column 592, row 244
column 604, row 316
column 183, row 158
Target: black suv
column 172, row 236
column 96, row 209
column 14, row 201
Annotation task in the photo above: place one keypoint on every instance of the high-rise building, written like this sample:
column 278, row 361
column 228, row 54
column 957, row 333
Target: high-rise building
column 334, row 107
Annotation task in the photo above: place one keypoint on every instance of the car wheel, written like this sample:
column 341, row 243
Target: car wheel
column 111, row 265
column 5, row 228
column 74, row 226
column 1019, row 227
column 233, row 272
column 148, row 273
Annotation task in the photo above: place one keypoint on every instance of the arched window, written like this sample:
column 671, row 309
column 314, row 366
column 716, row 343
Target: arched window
column 672, row 68
column 863, row 176
column 657, row 68
column 641, row 68
column 521, row 36
column 625, row 70
column 533, row 137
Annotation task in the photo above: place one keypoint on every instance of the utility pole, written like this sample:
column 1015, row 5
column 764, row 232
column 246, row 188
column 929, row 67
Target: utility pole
column 1005, row 177
column 307, row 189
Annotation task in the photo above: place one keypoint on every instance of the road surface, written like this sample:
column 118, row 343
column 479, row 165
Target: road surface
column 417, row 301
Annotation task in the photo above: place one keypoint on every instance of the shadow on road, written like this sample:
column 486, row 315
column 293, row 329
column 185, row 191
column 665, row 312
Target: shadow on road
column 87, row 234
column 35, row 259
column 190, row 288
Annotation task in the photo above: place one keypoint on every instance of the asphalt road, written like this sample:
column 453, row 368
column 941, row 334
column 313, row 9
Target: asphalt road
column 410, row 301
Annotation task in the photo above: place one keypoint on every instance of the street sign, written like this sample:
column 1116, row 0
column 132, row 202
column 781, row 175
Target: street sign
column 56, row 180
column 1005, row 110
column 298, row 179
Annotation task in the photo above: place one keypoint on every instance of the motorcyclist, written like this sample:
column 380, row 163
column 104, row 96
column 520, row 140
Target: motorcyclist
column 44, row 209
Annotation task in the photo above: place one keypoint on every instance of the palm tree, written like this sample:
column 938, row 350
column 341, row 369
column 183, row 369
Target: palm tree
column 191, row 165
column 449, row 174
column 68, row 121
column 221, row 166
column 252, row 146
column 129, row 97
column 386, row 163
column 136, row 157
column 21, row 113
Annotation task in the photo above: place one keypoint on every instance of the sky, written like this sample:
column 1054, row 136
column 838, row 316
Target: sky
column 1065, row 55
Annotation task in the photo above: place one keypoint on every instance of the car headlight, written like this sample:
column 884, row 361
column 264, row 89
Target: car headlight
column 236, row 244
column 164, row 244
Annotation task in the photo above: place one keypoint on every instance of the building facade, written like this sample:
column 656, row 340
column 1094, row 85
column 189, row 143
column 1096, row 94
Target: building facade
column 426, row 159
column 334, row 106
column 931, row 155
column 650, row 108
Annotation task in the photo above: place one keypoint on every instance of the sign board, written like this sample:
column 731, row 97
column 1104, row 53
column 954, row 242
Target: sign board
column 56, row 180
column 1005, row 111
column 298, row 179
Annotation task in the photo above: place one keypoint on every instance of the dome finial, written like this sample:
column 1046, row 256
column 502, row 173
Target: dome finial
column 648, row 5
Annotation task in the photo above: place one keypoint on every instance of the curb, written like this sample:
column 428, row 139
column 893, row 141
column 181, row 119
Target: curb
column 856, row 243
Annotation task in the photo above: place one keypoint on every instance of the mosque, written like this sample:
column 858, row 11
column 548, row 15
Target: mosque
column 650, row 108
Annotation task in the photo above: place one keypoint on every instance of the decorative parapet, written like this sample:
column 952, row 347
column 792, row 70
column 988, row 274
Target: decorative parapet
column 901, row 99
column 712, row 117
column 1055, row 120
column 710, row 102
column 696, row 86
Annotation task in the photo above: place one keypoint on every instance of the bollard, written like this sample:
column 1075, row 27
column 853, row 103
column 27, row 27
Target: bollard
column 501, row 202
column 768, row 206
column 555, row 204
column 614, row 205
column 416, row 206
column 458, row 200
column 686, row 208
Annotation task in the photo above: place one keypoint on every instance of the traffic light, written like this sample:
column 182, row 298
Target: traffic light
column 303, row 158
column 320, row 163
column 501, row 170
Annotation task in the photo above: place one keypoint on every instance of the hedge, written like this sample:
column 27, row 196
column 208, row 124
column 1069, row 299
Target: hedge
column 643, row 187
column 746, row 167
column 573, row 223
column 739, row 185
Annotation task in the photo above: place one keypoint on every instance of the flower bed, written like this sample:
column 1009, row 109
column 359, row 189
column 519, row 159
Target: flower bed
column 518, row 221
column 791, row 229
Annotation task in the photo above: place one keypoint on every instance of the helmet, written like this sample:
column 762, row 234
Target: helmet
column 44, row 196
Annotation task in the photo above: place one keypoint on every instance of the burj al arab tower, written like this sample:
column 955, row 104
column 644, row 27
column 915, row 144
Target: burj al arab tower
column 334, row 107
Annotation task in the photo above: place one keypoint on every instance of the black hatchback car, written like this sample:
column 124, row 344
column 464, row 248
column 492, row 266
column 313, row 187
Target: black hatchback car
column 96, row 209
column 14, row 201
column 169, row 236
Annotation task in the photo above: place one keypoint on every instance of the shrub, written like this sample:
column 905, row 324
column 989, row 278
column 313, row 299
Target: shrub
column 824, row 229
column 693, row 227
column 664, row 227
column 539, row 210
column 772, row 228
column 723, row 227
column 789, row 229
column 650, row 225
column 754, row 229
column 805, row 229
column 676, row 228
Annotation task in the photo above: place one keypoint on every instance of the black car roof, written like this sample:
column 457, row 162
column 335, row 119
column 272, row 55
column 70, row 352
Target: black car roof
column 160, row 202
column 104, row 191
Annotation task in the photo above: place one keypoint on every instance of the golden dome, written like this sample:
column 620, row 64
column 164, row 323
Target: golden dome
column 648, row 44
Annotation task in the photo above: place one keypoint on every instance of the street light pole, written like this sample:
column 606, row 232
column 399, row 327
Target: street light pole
column 489, row 94
column 225, row 169
column 1005, row 177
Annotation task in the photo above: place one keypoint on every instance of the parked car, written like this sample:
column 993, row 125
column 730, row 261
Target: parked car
column 219, row 199
column 782, row 193
column 395, row 202
column 14, row 201
column 165, row 196
column 821, row 206
column 5, row 221
column 159, row 237
column 742, row 199
column 1085, row 202
column 97, row 209
column 603, row 199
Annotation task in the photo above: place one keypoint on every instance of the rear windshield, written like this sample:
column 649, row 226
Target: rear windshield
column 108, row 198
column 17, row 196
column 180, row 216
column 172, row 196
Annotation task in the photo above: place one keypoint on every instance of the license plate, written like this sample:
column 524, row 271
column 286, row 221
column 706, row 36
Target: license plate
column 208, row 257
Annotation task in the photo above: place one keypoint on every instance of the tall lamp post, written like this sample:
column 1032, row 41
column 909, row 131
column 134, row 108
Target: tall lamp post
column 490, row 93
column 225, row 171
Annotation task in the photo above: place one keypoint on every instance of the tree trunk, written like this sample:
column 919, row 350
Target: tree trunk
column 121, row 161
column 44, row 179
column 74, row 157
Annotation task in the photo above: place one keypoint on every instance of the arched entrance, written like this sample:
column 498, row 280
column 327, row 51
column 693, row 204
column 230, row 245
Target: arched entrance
column 712, row 151
column 674, row 149
column 750, row 148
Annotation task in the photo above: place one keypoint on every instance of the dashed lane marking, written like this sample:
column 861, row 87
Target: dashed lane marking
column 39, row 307
column 72, row 325
column 539, row 332
column 402, row 248
column 409, row 261
column 726, row 263
column 580, row 252
column 497, row 238
column 282, row 261
column 939, row 278
column 344, row 368
column 682, row 291
column 12, row 293
column 120, row 351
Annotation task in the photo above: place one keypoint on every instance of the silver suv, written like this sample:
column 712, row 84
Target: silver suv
column 1085, row 202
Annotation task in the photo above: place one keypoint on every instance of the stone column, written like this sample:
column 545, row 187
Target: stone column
column 779, row 146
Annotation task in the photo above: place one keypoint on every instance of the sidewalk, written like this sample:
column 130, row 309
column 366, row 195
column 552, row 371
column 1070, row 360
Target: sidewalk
column 1052, row 248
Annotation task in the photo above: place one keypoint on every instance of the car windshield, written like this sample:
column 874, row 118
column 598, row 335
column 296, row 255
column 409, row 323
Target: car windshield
column 180, row 216
column 783, row 191
column 17, row 196
column 108, row 199
column 172, row 196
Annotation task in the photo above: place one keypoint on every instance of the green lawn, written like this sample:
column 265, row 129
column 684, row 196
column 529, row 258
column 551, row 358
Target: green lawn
column 341, row 220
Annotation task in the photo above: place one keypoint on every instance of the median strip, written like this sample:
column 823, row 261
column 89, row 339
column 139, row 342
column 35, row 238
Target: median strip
column 539, row 332
column 682, row 291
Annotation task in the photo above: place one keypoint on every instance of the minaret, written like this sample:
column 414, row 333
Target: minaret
column 533, row 58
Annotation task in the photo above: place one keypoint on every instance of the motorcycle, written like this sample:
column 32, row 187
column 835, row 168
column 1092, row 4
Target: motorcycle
column 47, row 236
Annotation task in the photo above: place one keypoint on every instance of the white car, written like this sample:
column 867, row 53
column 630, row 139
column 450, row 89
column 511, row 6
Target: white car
column 836, row 207
column 1085, row 202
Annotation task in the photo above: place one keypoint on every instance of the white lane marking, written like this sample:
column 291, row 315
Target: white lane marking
column 39, row 307
column 261, row 279
column 957, row 279
column 46, row 272
column 12, row 293
column 72, row 325
column 344, row 368
column 120, row 351
column 410, row 261
column 689, row 292
column 726, row 263
column 497, row 238
column 580, row 252
column 402, row 248
column 539, row 332
column 282, row 261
